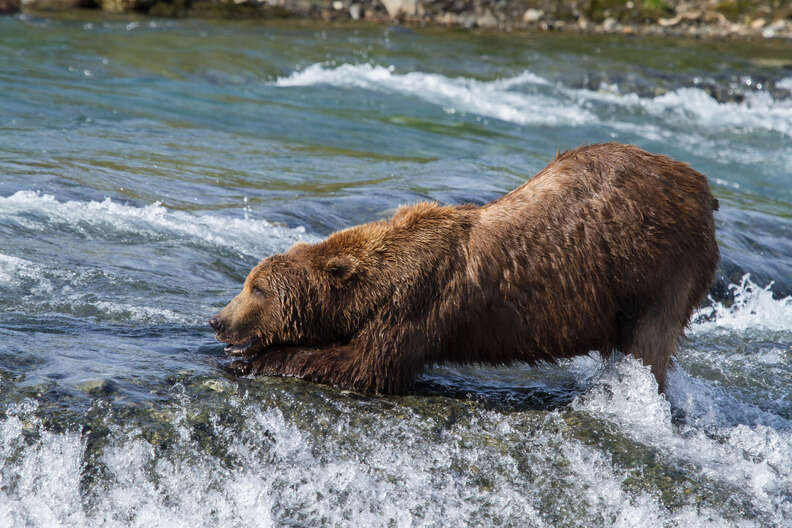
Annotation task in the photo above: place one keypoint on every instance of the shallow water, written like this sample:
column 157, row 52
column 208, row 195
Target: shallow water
column 146, row 165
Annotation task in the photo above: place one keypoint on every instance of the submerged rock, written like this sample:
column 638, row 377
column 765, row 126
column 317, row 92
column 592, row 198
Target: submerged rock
column 98, row 387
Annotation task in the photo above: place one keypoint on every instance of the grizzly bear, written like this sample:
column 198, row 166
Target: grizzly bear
column 608, row 247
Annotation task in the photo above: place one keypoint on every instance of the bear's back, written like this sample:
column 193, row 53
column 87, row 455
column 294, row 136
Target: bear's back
column 598, row 232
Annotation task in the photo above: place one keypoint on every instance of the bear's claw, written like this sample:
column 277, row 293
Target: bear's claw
column 239, row 367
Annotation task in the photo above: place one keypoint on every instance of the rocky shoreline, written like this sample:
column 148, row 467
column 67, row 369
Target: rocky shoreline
column 697, row 19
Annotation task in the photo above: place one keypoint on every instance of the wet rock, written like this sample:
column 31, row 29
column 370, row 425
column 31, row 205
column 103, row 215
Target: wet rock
column 531, row 16
column 715, row 17
column 448, row 19
column 609, row 24
column 467, row 20
column 355, row 11
column 52, row 5
column 759, row 23
column 117, row 6
column 487, row 20
column 398, row 8
column 774, row 29
column 98, row 387
column 8, row 7
column 220, row 386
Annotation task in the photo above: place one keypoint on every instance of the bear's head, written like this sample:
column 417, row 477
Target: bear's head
column 301, row 297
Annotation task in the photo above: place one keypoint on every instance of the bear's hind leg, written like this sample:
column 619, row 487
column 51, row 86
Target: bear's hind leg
column 654, row 336
column 654, row 341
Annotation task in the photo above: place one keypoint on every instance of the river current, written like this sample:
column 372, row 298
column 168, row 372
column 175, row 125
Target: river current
column 146, row 165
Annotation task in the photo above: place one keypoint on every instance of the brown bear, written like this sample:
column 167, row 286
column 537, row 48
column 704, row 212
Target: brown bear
column 608, row 247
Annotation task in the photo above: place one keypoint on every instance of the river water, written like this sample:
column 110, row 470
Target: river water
column 146, row 165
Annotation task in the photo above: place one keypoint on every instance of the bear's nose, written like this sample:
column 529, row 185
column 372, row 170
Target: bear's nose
column 216, row 324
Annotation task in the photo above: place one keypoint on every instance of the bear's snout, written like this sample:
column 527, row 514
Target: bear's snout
column 217, row 324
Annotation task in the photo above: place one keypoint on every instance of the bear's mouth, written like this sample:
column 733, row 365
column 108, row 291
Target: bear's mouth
column 245, row 348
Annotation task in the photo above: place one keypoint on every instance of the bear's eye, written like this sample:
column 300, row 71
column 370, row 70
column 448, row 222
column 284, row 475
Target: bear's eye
column 261, row 292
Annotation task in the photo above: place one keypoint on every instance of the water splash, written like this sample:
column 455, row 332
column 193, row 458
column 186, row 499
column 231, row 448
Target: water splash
column 267, row 471
column 627, row 393
column 741, row 455
column 753, row 308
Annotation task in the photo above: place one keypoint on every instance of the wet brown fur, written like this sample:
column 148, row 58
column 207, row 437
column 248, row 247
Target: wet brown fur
column 608, row 247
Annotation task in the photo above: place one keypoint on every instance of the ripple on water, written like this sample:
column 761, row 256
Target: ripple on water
column 116, row 284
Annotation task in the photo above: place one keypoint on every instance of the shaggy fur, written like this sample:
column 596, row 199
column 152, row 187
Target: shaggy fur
column 608, row 247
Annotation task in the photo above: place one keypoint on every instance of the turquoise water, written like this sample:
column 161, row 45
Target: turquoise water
column 146, row 165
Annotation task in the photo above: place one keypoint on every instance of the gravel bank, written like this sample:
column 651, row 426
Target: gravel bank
column 699, row 19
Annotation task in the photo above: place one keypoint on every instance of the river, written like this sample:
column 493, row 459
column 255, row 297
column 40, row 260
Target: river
column 146, row 165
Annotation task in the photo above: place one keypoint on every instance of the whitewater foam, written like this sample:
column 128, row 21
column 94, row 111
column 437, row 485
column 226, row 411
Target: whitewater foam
column 108, row 218
column 707, row 404
column 753, row 308
column 14, row 271
column 528, row 98
column 629, row 383
column 395, row 474
column 40, row 488
column 741, row 455
column 694, row 107
column 488, row 98
column 40, row 287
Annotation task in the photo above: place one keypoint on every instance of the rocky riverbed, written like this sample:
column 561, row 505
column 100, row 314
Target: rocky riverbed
column 699, row 18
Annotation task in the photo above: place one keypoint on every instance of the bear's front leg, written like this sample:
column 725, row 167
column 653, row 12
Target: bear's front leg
column 332, row 365
column 383, row 358
column 384, row 369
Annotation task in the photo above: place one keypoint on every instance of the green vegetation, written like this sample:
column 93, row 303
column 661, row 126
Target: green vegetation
column 740, row 9
column 733, row 8
column 628, row 10
column 656, row 8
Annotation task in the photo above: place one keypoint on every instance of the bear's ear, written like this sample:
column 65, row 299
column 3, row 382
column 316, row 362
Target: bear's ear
column 341, row 267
